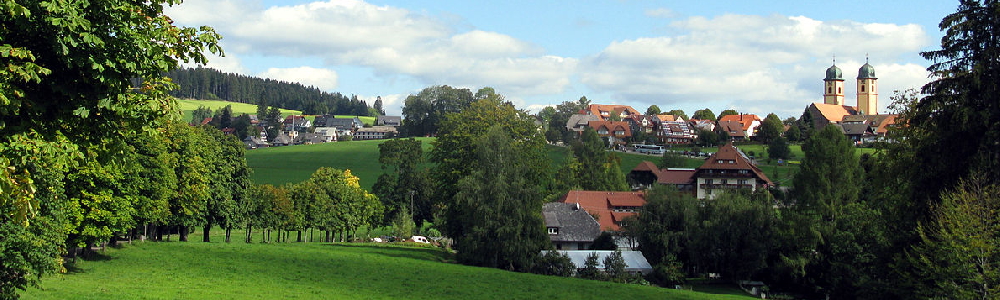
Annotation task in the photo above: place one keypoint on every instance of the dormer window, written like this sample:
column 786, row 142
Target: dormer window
column 553, row 230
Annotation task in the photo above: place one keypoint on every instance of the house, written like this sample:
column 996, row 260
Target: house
column 880, row 123
column 644, row 175
column 253, row 142
column 577, row 123
column 825, row 114
column 311, row 138
column 702, row 124
column 343, row 123
column 728, row 169
column 375, row 133
column 296, row 123
column 674, row 130
column 330, row 133
column 732, row 129
column 617, row 132
column 394, row 121
column 635, row 262
column 606, row 111
column 857, row 132
column 283, row 139
column 750, row 123
column 609, row 208
column 569, row 226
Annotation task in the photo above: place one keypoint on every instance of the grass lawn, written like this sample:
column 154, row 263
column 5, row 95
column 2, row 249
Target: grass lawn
column 195, row 270
column 293, row 164
column 188, row 106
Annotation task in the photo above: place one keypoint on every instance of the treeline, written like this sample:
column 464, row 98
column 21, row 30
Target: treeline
column 211, row 84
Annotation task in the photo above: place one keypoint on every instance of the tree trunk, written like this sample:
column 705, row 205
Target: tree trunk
column 228, row 232
column 183, row 234
column 207, row 230
column 298, row 239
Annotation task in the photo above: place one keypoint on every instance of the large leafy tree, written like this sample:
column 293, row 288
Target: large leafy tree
column 86, row 75
column 703, row 114
column 557, row 130
column 425, row 111
column 405, row 184
column 770, row 129
column 499, row 207
column 653, row 110
column 599, row 170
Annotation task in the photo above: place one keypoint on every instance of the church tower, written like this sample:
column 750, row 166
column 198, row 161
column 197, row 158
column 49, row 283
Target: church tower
column 867, row 90
column 834, row 85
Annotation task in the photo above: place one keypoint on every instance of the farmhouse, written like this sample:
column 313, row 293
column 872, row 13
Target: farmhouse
column 375, row 133
column 609, row 208
column 569, row 226
column 728, row 169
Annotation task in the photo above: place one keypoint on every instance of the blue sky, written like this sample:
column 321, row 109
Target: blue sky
column 753, row 56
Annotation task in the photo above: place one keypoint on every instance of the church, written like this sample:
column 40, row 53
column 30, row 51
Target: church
column 861, row 123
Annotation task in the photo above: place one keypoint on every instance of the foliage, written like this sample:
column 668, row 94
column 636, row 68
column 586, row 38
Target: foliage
column 703, row 114
column 960, row 248
column 404, row 183
column 770, row 129
column 207, row 83
column 734, row 235
column 778, row 149
column 793, row 134
column 498, row 208
column 605, row 241
column 599, row 170
column 403, row 224
column 668, row 272
column 653, row 110
column 614, row 268
column 663, row 225
column 710, row 138
column 425, row 111
column 590, row 269
column 555, row 264
column 557, row 130
column 830, row 173
column 672, row 160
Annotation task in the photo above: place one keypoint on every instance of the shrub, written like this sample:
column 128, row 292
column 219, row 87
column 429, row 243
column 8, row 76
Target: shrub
column 554, row 263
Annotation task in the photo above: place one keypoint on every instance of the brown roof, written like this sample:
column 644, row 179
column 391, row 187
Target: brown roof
column 611, row 126
column 596, row 109
column 676, row 176
column 833, row 112
column 668, row 118
column 598, row 203
column 730, row 158
column 745, row 120
column 647, row 166
column 879, row 122
column 620, row 216
column 732, row 128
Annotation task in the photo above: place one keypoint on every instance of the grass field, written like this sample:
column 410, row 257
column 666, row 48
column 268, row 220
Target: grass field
column 294, row 164
column 188, row 106
column 195, row 270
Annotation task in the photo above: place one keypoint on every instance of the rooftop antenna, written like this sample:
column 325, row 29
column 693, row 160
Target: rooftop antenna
column 834, row 59
column 866, row 57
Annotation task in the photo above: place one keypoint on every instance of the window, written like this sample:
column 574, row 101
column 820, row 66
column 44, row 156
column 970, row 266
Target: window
column 862, row 88
column 553, row 230
column 840, row 90
column 829, row 90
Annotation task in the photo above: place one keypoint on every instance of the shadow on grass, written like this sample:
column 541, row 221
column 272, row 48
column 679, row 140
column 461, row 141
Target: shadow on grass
column 418, row 253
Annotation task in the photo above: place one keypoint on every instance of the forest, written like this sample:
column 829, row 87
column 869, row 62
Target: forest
column 211, row 84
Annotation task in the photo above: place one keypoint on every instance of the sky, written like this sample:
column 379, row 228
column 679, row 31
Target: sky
column 755, row 57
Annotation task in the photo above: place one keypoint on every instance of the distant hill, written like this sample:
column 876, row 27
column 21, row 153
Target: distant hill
column 207, row 83
column 189, row 105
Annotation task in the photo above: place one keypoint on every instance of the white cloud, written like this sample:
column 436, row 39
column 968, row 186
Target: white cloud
column 661, row 13
column 754, row 62
column 389, row 40
column 324, row 79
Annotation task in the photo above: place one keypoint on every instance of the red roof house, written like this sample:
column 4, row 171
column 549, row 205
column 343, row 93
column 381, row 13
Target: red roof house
column 609, row 208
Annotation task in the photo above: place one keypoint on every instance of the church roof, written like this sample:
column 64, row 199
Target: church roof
column 866, row 71
column 834, row 73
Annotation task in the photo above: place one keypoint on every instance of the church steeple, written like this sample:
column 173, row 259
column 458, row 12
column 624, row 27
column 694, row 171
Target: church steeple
column 867, row 89
column 833, row 85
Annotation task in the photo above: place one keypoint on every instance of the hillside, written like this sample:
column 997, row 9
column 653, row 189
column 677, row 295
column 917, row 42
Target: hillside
column 295, row 163
column 187, row 106
column 194, row 270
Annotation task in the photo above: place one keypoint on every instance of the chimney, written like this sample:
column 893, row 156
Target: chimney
column 576, row 206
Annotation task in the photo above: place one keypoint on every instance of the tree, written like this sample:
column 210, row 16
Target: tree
column 728, row 112
column 653, row 110
column 425, row 111
column 553, row 263
column 678, row 112
column 959, row 250
column 501, row 187
column 200, row 114
column 661, row 226
column 404, row 184
column 377, row 106
column 599, row 170
column 703, row 114
column 734, row 236
column 770, row 129
column 793, row 134
column 672, row 160
column 829, row 175
column 605, row 241
column 778, row 149
column 557, row 130
column 614, row 268
column 709, row 138
column 590, row 270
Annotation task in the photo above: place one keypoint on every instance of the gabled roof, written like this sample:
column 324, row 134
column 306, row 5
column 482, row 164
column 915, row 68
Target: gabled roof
column 611, row 126
column 834, row 112
column 383, row 120
column 745, row 120
column 856, row 129
column 598, row 203
column 879, row 122
column 670, row 118
column 596, row 109
column 574, row 223
column 578, row 122
column 647, row 166
column 730, row 158
column 733, row 128
column 676, row 176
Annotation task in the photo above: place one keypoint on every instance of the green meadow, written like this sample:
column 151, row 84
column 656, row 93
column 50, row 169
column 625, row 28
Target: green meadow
column 187, row 107
column 196, row 270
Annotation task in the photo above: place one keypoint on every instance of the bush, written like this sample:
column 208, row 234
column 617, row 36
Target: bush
column 605, row 241
column 555, row 264
column 667, row 273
